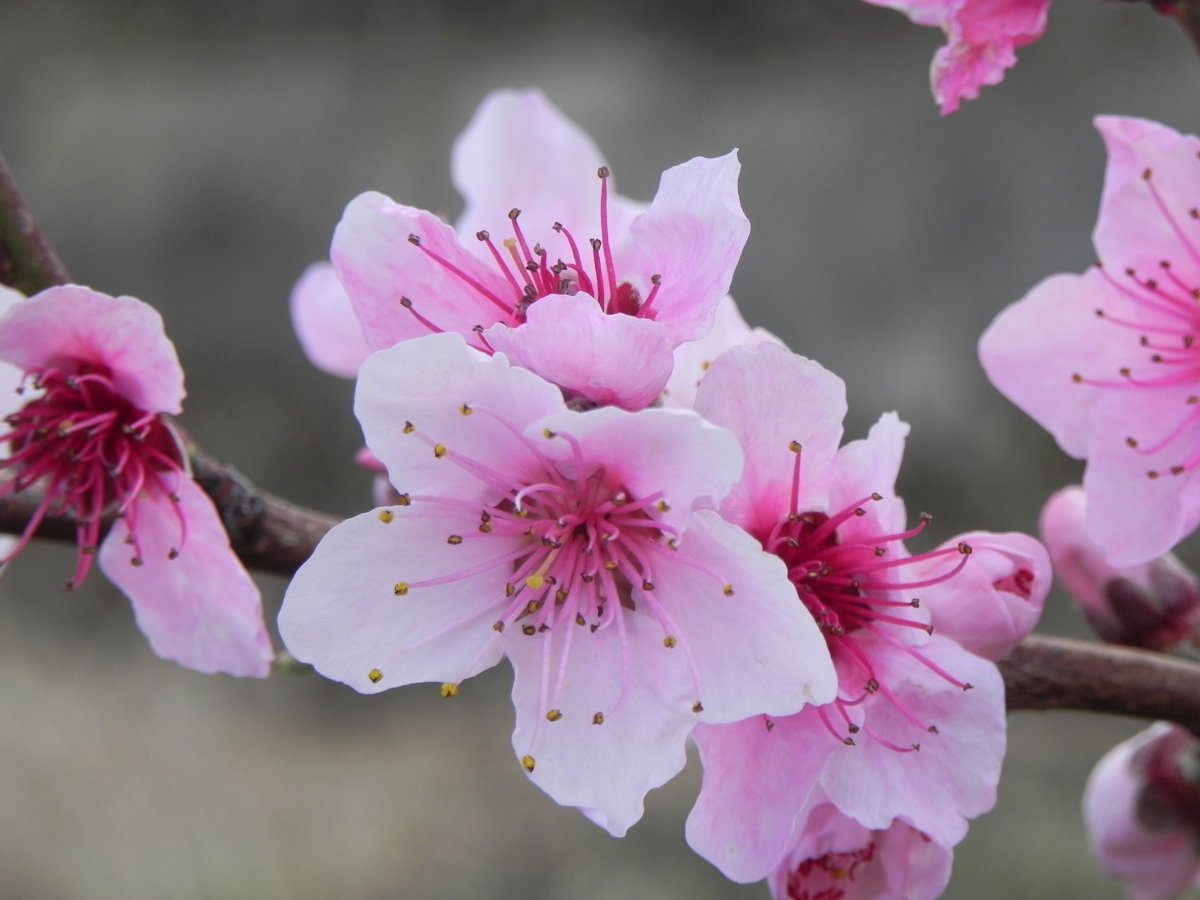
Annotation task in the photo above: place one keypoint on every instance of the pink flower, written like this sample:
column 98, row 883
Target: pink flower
column 982, row 37
column 100, row 379
column 1106, row 360
column 325, row 322
column 1154, row 605
column 905, row 739
column 833, row 856
column 546, row 264
column 1142, row 810
column 582, row 546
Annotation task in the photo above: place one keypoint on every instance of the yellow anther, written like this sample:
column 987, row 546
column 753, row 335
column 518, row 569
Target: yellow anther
column 598, row 719
column 727, row 590
column 449, row 689
column 554, row 715
column 662, row 506
column 386, row 516
column 528, row 630
column 375, row 675
column 547, row 433
column 439, row 450
column 509, row 590
column 498, row 626
column 610, row 565
column 697, row 707
column 404, row 500
column 465, row 410
column 534, row 581
column 401, row 589
column 454, row 539
column 794, row 446
column 409, row 427
column 669, row 641
column 527, row 762
column 532, row 606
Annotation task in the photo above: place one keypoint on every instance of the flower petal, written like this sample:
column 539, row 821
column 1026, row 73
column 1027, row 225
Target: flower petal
column 199, row 609
column 326, row 324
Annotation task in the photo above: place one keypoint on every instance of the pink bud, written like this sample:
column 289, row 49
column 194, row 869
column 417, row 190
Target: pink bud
column 1155, row 605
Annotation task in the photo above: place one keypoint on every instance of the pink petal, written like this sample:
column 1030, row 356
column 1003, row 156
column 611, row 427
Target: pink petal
column 199, row 609
column 426, row 383
column 326, row 324
column 770, row 397
column 997, row 599
column 69, row 325
column 378, row 265
column 692, row 358
column 924, row 12
column 570, row 341
column 756, row 781
column 954, row 775
column 345, row 613
column 871, row 464
column 692, row 235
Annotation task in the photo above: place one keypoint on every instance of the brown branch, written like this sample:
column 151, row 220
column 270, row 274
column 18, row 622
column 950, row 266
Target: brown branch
column 1060, row 673
column 27, row 261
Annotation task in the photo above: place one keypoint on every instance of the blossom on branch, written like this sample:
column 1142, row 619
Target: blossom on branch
column 547, row 264
column 982, row 37
column 914, row 708
column 1108, row 361
column 90, row 430
column 581, row 545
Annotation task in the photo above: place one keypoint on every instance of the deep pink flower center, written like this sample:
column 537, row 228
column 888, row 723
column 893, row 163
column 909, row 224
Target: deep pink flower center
column 91, row 450
column 1161, row 315
column 828, row 877
column 532, row 272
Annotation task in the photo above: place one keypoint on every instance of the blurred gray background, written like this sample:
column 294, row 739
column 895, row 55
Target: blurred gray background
column 198, row 156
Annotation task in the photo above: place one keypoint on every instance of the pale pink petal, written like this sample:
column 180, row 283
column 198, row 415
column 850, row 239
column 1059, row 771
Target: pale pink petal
column 379, row 266
column 520, row 151
column 1156, row 865
column 68, row 325
column 605, row 764
column 692, row 358
column 692, row 236
column 757, row 775
column 612, row 360
column 326, row 324
column 875, row 784
column 471, row 404
column 200, row 609
column 871, row 465
column 667, row 452
column 1035, row 347
column 997, row 599
column 350, row 610
column 924, row 12
column 770, row 398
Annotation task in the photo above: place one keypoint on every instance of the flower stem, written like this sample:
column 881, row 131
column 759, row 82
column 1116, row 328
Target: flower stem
column 27, row 261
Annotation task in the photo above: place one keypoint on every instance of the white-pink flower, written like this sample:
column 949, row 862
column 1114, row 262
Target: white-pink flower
column 832, row 857
column 917, row 731
column 90, row 430
column 546, row 264
column 1108, row 361
column 1142, row 811
column 982, row 37
column 582, row 546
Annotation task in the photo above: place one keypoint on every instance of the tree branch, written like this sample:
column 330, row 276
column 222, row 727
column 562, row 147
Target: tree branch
column 27, row 261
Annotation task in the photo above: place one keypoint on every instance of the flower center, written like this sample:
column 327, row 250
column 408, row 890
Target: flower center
column 92, row 451
column 828, row 877
column 531, row 274
column 1163, row 321
column 1169, row 799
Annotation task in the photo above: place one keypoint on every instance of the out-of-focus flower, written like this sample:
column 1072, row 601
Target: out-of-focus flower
column 325, row 322
column 1108, row 361
column 982, row 37
column 832, row 857
column 100, row 378
column 917, row 731
column 582, row 546
column 1142, row 810
column 1155, row 605
column 546, row 264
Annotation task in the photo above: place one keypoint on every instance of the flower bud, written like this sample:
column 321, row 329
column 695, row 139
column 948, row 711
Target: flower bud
column 1155, row 605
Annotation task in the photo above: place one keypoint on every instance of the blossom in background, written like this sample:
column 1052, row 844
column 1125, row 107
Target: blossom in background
column 546, row 264
column 832, row 857
column 917, row 731
column 1108, row 361
column 1142, row 811
column 582, row 546
column 1154, row 605
column 90, row 431
column 982, row 37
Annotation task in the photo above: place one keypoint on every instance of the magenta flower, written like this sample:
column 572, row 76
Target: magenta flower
column 917, row 730
column 582, row 546
column 982, row 37
column 100, row 377
column 546, row 264
column 832, row 857
column 1106, row 360
column 1142, row 810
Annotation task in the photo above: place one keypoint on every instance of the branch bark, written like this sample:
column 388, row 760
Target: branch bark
column 27, row 261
